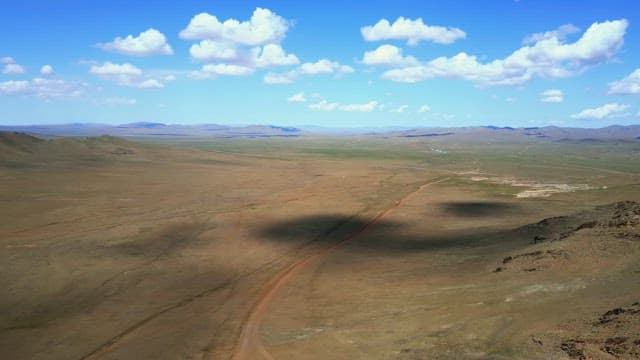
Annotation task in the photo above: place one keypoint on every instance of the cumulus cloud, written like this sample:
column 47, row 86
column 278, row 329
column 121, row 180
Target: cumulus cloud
column 273, row 55
column 400, row 109
column 413, row 31
column 43, row 88
column 236, row 46
column 602, row 112
column 208, row 50
column 560, row 33
column 366, row 107
column 299, row 97
column 324, row 105
column 388, row 55
column 547, row 58
column 269, row 55
column 627, row 86
column 322, row 66
column 149, row 42
column 272, row 78
column 125, row 75
column 46, row 70
column 11, row 67
column 264, row 27
column 210, row 71
column 552, row 96
column 424, row 109
column 109, row 69
column 148, row 84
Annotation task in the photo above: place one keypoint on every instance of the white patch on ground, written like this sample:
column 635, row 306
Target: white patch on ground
column 306, row 332
column 534, row 189
column 284, row 337
column 20, row 246
column 548, row 288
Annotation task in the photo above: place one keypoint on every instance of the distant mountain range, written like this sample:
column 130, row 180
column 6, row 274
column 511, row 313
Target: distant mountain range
column 153, row 129
column 488, row 133
column 477, row 133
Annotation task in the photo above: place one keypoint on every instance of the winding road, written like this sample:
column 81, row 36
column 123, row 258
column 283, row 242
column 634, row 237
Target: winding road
column 249, row 344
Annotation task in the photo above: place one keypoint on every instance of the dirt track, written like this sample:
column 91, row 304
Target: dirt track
column 249, row 342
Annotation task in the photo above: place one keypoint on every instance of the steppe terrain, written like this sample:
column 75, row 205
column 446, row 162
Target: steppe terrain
column 353, row 247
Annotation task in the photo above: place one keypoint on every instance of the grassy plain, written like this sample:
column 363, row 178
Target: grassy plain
column 314, row 248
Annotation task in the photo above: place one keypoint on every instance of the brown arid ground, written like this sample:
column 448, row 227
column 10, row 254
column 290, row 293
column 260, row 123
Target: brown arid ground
column 318, row 249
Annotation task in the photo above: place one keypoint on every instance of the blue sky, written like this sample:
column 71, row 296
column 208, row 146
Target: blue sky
column 330, row 63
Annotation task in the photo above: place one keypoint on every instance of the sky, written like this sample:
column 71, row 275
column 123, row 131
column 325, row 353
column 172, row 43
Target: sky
column 331, row 63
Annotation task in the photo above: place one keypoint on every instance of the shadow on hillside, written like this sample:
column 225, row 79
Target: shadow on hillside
column 382, row 235
column 479, row 208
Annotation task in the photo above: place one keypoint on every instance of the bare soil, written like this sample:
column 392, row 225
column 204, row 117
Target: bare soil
column 113, row 249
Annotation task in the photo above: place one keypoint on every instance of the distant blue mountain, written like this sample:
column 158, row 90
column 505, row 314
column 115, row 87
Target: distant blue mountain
column 143, row 124
column 478, row 133
column 493, row 127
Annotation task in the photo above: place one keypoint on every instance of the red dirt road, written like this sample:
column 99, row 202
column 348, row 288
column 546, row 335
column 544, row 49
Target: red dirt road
column 249, row 344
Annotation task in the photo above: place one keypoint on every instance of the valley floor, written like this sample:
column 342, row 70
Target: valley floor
column 318, row 249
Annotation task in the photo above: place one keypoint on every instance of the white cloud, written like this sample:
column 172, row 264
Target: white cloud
column 324, row 66
column 117, row 101
column 211, row 71
column 560, row 33
column 367, row 107
column 400, row 109
column 13, row 69
column 43, row 88
column 547, row 58
column 324, row 105
column 266, row 56
column 109, row 69
column 388, row 55
column 424, row 109
column 46, row 70
column 264, row 27
column 7, row 60
column 12, row 87
column 279, row 78
column 226, row 69
column 239, row 48
column 604, row 111
column 273, row 55
column 125, row 75
column 149, row 42
column 510, row 99
column 413, row 31
column 147, row 84
column 299, row 97
column 552, row 95
column 208, row 50
column 627, row 86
